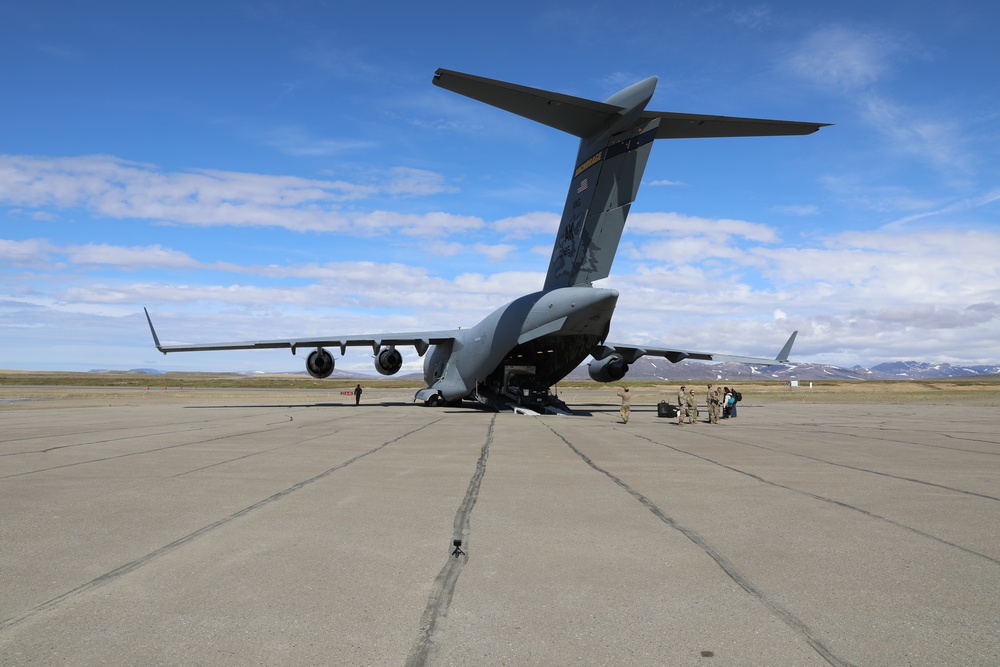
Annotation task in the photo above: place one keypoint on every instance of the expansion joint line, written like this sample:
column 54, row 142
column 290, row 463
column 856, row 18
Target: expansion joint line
column 785, row 615
column 108, row 577
column 824, row 499
column 443, row 589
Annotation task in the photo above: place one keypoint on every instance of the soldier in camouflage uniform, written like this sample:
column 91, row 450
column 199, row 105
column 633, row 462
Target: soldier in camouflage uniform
column 681, row 406
column 713, row 405
column 692, row 407
column 626, row 403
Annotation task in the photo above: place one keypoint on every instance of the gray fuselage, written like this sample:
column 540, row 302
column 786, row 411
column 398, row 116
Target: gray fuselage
column 552, row 331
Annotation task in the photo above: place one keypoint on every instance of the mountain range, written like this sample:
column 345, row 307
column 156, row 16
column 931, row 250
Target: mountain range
column 654, row 368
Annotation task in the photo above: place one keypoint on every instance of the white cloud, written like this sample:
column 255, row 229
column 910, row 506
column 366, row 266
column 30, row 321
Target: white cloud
column 25, row 253
column 680, row 224
column 854, row 191
column 425, row 225
column 859, row 297
column 115, row 188
column 443, row 248
column 857, row 63
column 495, row 253
column 798, row 209
column 938, row 142
column 529, row 224
column 296, row 141
column 966, row 204
column 139, row 257
column 409, row 182
column 847, row 58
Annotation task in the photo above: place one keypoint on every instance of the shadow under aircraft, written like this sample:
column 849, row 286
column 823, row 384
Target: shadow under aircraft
column 511, row 358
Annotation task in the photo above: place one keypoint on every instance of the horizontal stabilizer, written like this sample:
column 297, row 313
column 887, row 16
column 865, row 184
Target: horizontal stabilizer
column 575, row 115
column 698, row 126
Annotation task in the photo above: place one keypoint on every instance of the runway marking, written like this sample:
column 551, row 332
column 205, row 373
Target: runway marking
column 786, row 616
column 139, row 453
column 145, row 451
column 443, row 589
column 908, row 442
column 868, row 470
column 78, row 433
column 118, row 572
column 814, row 496
column 262, row 451
column 265, row 451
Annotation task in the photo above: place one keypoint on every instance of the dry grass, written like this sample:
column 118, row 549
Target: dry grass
column 953, row 391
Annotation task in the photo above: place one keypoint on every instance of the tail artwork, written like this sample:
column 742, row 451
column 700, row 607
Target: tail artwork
column 511, row 358
column 616, row 137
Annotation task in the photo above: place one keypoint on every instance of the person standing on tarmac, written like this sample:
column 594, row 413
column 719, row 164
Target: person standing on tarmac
column 681, row 406
column 692, row 407
column 626, row 403
column 357, row 394
column 713, row 405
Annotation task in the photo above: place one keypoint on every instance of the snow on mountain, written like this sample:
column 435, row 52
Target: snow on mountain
column 654, row 368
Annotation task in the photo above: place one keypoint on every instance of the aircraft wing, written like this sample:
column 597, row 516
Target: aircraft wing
column 421, row 340
column 630, row 353
column 696, row 126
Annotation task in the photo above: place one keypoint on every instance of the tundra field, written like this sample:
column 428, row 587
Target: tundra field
column 124, row 386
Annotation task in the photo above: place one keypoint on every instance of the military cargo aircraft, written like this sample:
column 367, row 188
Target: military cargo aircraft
column 520, row 350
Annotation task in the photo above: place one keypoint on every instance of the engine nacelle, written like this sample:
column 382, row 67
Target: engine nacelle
column 319, row 363
column 388, row 361
column 609, row 369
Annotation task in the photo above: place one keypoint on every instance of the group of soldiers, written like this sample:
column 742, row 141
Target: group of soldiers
column 687, row 405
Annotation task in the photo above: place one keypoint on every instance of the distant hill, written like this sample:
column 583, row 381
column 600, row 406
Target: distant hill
column 146, row 371
column 655, row 368
column 916, row 370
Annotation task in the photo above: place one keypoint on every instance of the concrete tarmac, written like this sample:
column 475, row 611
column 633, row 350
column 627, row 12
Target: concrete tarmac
column 293, row 528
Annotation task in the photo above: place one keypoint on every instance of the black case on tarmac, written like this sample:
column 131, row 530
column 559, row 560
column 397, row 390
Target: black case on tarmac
column 664, row 409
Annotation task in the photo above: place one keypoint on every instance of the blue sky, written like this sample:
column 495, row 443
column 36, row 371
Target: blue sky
column 257, row 170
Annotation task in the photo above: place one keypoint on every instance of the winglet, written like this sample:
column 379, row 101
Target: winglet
column 156, row 341
column 786, row 351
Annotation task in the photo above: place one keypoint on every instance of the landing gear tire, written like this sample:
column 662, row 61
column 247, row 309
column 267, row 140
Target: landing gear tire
column 433, row 402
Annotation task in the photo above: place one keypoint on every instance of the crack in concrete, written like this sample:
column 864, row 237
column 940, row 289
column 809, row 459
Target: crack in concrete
column 443, row 589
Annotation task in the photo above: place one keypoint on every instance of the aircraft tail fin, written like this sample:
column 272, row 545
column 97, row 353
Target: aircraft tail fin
column 616, row 137
column 614, row 147
column 786, row 351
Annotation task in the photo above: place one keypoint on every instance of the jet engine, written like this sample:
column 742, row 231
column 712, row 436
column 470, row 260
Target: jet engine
column 609, row 369
column 388, row 361
column 320, row 363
